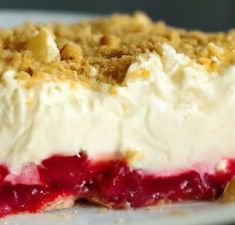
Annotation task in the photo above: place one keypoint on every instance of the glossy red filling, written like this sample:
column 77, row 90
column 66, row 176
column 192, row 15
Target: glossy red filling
column 110, row 183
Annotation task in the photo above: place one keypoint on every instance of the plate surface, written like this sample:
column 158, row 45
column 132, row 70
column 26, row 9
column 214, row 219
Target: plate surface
column 9, row 18
column 181, row 214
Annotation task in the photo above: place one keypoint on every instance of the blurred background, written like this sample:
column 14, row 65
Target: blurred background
column 204, row 14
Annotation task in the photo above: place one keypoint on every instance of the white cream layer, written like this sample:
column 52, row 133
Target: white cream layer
column 177, row 117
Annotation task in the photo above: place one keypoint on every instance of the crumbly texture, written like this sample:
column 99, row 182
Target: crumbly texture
column 109, row 46
column 229, row 192
column 60, row 203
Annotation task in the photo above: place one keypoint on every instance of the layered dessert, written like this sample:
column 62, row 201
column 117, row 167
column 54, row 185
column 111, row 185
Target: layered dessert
column 120, row 111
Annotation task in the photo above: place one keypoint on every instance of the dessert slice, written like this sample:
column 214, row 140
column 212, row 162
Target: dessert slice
column 120, row 111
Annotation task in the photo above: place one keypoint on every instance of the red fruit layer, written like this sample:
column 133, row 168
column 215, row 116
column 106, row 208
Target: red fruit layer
column 110, row 183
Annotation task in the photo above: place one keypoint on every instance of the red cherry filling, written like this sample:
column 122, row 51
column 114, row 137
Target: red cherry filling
column 110, row 183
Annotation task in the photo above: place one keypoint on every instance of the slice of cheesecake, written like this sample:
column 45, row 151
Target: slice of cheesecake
column 120, row 111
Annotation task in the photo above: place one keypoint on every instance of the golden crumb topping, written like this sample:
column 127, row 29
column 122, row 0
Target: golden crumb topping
column 229, row 192
column 107, row 46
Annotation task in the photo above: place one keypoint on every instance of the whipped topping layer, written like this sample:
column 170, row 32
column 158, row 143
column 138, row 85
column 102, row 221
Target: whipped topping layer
column 170, row 114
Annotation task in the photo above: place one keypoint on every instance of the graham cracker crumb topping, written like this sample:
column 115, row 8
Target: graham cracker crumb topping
column 229, row 192
column 108, row 45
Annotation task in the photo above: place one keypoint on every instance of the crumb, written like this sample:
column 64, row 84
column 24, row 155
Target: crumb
column 161, row 205
column 103, row 210
column 179, row 213
column 229, row 192
column 107, row 45
column 60, row 203
column 71, row 52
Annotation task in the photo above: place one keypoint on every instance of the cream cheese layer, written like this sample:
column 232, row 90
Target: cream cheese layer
column 169, row 115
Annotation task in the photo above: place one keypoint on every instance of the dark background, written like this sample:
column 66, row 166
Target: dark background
column 204, row 14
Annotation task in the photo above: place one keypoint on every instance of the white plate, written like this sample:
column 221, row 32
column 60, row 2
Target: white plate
column 9, row 18
column 184, row 214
